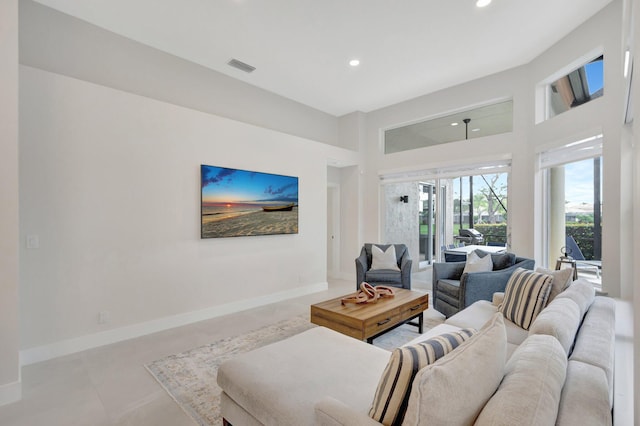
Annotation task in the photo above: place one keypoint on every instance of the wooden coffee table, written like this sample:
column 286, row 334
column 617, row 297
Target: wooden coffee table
column 370, row 320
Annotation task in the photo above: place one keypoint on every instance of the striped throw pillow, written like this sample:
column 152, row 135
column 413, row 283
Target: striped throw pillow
column 525, row 296
column 392, row 396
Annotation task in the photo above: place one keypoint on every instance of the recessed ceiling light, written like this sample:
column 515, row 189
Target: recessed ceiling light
column 455, row 124
column 354, row 62
column 475, row 130
column 483, row 3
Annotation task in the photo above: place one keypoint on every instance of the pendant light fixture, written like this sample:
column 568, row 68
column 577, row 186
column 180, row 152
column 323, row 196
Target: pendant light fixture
column 466, row 128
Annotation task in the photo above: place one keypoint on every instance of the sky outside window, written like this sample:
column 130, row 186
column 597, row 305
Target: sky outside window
column 595, row 75
column 579, row 180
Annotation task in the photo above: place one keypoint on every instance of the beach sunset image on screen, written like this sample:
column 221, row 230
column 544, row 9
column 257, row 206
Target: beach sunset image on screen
column 238, row 203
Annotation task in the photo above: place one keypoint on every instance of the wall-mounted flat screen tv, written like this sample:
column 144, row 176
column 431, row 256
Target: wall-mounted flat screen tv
column 237, row 203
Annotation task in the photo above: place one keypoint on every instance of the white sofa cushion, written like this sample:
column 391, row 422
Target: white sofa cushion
column 582, row 292
column 462, row 382
column 392, row 395
column 560, row 319
column 596, row 342
column 477, row 315
column 530, row 391
column 585, row 399
column 525, row 296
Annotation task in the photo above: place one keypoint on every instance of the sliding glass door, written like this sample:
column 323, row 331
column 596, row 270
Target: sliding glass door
column 438, row 206
column 427, row 221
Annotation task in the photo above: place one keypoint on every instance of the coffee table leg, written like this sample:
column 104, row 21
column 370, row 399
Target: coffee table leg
column 420, row 323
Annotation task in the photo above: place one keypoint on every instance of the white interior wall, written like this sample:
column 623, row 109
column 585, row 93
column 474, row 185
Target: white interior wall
column 65, row 46
column 351, row 135
column 402, row 219
column 333, row 222
column 350, row 194
column 57, row 42
column 634, row 291
column 635, row 287
column 109, row 182
column 10, row 386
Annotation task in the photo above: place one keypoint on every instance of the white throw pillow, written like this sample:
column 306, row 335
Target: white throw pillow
column 454, row 389
column 476, row 263
column 561, row 281
column 384, row 259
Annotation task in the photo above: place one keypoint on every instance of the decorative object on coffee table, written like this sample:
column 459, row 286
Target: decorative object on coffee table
column 369, row 294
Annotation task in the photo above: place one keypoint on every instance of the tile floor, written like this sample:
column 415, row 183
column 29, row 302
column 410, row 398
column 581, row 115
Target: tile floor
column 110, row 386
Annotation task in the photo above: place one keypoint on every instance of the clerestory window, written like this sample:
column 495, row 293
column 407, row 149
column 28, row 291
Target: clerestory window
column 478, row 122
column 576, row 88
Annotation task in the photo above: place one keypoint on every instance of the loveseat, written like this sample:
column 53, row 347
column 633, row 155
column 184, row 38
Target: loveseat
column 560, row 371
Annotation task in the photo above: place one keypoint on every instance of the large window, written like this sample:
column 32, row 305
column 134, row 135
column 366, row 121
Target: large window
column 573, row 196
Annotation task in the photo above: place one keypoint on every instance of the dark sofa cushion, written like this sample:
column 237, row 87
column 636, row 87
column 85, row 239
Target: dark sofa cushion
column 500, row 260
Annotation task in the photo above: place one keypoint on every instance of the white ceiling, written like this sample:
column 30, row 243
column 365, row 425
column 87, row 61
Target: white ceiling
column 301, row 48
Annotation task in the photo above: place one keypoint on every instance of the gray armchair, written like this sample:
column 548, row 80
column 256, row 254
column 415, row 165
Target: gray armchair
column 401, row 278
column 454, row 291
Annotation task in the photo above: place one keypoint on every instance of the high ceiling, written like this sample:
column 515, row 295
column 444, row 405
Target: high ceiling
column 301, row 48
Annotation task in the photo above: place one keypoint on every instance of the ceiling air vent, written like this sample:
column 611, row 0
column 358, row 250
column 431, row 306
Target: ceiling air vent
column 241, row 65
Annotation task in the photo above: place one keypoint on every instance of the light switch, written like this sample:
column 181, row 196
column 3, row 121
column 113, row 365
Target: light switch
column 33, row 242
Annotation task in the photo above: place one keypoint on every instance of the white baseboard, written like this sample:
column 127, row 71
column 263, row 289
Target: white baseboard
column 78, row 344
column 11, row 392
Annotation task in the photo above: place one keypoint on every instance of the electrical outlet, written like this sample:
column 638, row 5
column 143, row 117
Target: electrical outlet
column 104, row 317
column 33, row 242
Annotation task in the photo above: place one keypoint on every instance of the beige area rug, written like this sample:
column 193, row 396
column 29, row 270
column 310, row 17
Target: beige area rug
column 190, row 377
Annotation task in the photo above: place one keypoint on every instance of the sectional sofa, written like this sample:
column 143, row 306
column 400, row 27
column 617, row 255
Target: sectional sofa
column 560, row 371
